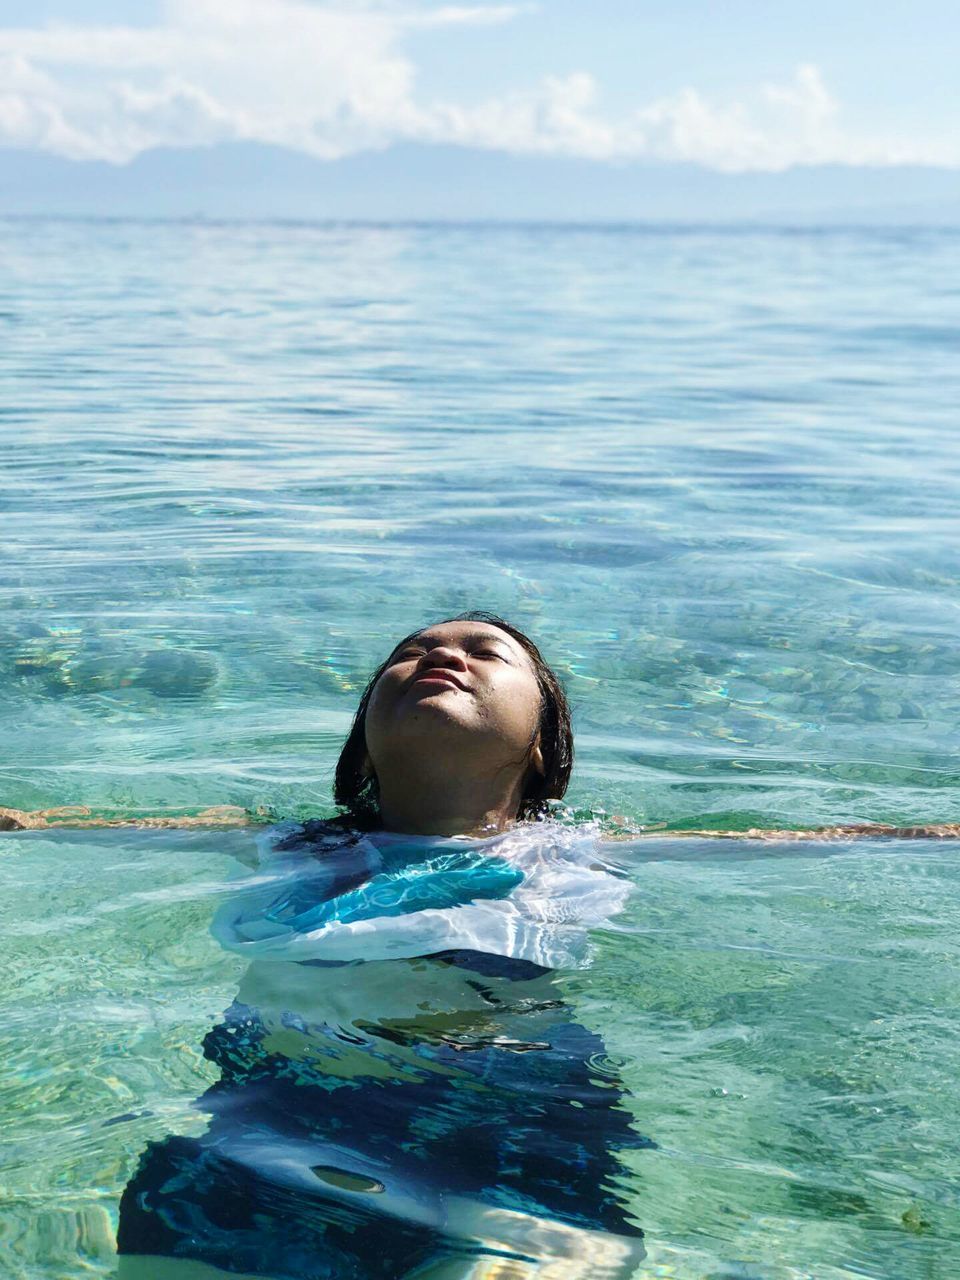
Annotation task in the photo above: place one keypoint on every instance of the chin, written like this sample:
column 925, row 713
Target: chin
column 427, row 726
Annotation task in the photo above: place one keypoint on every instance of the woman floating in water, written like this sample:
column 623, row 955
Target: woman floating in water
column 405, row 1090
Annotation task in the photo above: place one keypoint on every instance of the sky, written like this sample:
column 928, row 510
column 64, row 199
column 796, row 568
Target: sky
column 734, row 86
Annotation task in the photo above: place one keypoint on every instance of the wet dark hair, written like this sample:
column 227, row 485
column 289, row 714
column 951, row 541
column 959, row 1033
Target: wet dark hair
column 356, row 791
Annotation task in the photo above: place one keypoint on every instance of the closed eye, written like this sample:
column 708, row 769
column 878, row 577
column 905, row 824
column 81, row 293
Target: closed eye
column 404, row 654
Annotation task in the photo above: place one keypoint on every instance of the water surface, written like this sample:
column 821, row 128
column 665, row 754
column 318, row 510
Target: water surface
column 784, row 1017
column 715, row 474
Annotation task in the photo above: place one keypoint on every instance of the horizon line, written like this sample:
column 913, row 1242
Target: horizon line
column 797, row 223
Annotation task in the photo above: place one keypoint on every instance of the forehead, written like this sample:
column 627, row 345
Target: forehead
column 467, row 633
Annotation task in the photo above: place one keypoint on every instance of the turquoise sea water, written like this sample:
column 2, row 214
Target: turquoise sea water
column 715, row 474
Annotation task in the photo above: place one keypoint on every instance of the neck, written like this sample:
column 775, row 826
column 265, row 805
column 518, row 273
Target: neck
column 424, row 801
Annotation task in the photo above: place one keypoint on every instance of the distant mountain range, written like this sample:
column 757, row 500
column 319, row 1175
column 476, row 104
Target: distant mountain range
column 417, row 182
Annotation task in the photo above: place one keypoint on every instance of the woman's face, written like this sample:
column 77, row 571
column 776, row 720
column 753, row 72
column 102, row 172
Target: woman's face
column 457, row 686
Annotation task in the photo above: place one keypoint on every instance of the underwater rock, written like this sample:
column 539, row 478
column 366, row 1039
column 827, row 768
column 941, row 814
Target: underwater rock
column 177, row 673
column 97, row 674
column 914, row 1220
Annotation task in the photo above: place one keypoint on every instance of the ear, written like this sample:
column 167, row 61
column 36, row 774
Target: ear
column 536, row 758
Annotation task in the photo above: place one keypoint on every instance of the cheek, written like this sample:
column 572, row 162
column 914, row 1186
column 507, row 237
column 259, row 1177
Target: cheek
column 517, row 708
column 376, row 707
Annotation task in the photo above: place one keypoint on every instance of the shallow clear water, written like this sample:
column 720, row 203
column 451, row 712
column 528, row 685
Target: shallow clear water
column 785, row 1018
column 716, row 476
column 715, row 473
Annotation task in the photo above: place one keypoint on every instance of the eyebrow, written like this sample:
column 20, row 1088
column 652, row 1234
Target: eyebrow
column 488, row 637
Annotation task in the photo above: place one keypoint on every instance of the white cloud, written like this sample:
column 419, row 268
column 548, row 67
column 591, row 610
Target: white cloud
column 327, row 81
column 462, row 15
column 772, row 128
column 334, row 79
column 778, row 126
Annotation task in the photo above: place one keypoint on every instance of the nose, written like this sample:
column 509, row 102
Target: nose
column 443, row 656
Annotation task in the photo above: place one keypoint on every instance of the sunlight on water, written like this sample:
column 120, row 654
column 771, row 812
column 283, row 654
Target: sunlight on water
column 715, row 474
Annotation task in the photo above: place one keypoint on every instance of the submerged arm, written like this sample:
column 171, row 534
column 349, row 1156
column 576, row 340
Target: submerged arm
column 229, row 815
column 223, row 815
column 844, row 831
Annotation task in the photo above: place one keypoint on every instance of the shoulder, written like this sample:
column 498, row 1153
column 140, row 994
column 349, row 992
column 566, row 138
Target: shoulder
column 290, row 840
column 314, row 833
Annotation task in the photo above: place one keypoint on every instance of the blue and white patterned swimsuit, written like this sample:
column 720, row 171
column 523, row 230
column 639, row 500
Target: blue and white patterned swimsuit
column 402, row 1079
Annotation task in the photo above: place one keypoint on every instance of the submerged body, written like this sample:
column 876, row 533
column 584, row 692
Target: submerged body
column 405, row 1088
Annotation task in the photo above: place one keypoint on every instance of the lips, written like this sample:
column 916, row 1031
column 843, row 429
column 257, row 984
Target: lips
column 438, row 676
